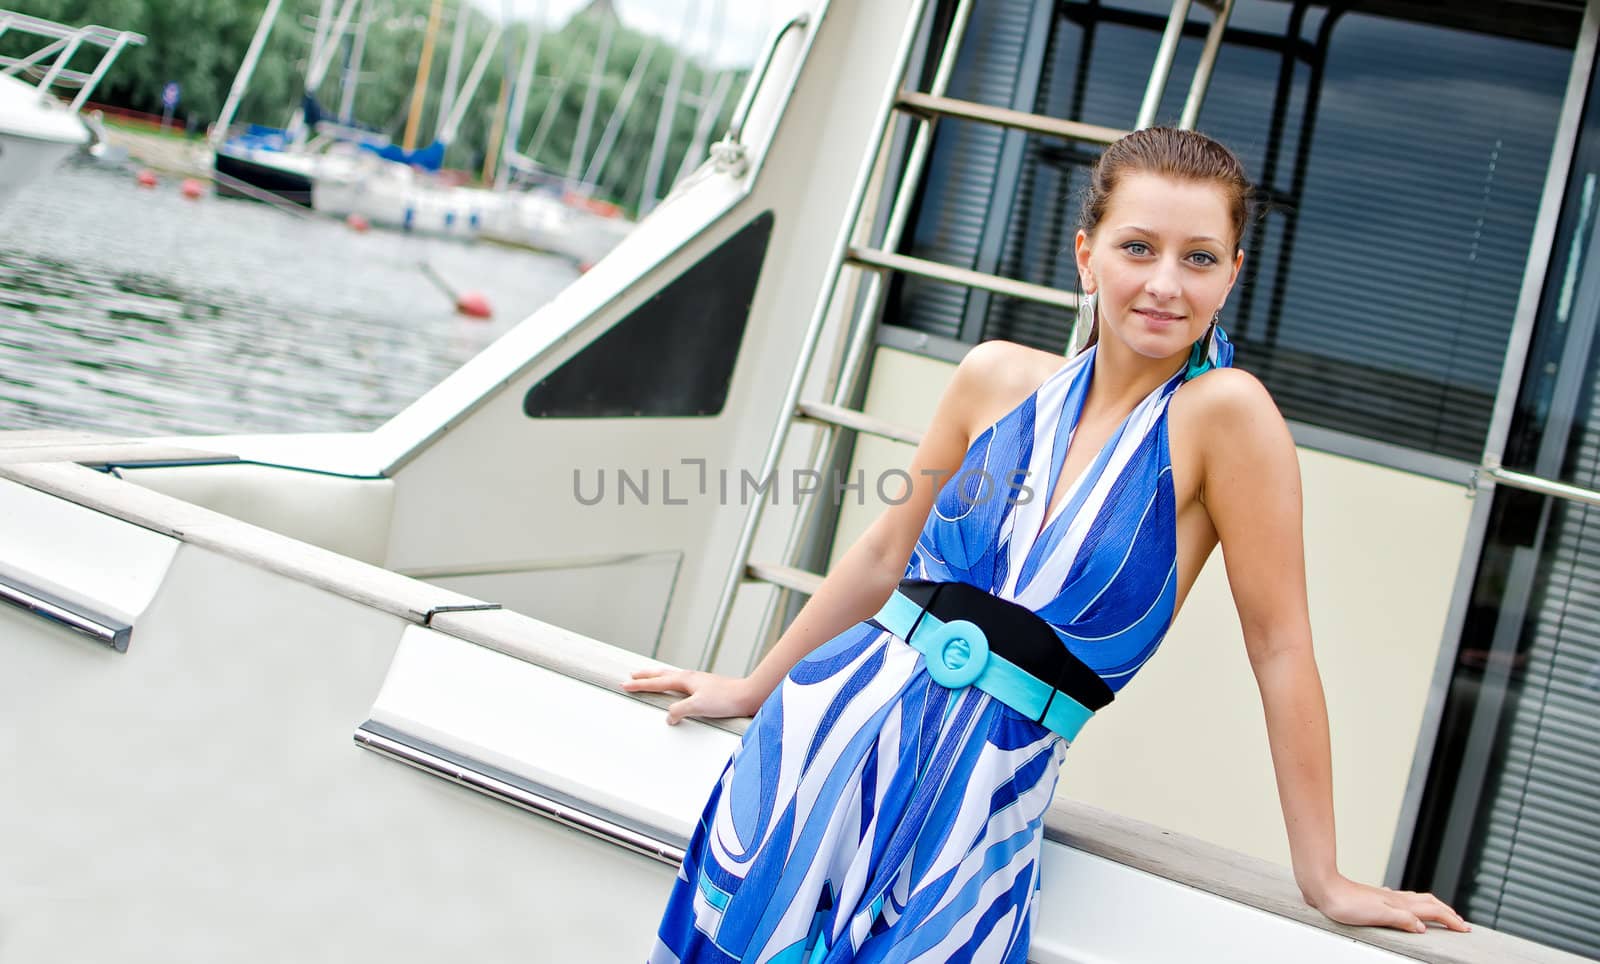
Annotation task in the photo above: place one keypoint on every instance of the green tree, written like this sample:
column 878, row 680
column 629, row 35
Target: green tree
column 200, row 43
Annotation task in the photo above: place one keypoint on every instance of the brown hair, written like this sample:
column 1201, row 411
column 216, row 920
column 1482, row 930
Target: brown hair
column 1179, row 154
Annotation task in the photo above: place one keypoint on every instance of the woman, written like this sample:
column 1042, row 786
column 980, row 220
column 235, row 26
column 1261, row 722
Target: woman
column 887, row 802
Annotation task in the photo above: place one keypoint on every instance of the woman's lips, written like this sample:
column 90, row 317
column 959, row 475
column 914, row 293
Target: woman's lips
column 1159, row 317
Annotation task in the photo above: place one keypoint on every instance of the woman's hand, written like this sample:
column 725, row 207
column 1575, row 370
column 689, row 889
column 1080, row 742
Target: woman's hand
column 1351, row 903
column 709, row 695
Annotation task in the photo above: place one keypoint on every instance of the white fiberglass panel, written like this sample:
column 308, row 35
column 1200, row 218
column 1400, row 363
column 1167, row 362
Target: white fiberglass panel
column 199, row 798
column 80, row 556
column 608, row 750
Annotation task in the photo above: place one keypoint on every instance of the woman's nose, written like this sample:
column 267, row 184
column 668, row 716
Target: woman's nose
column 1164, row 281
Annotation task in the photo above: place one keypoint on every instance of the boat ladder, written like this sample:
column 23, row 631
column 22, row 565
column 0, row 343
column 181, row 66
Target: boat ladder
column 876, row 261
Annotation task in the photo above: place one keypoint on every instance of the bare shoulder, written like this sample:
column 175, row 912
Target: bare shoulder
column 1227, row 403
column 995, row 376
column 1001, row 370
column 1222, row 390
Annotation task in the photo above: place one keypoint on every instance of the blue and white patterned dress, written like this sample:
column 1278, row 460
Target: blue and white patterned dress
column 871, row 814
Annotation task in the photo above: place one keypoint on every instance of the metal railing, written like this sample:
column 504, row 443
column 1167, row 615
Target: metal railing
column 1538, row 484
column 110, row 631
column 62, row 43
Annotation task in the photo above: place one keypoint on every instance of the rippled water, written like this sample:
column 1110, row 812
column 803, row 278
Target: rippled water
column 138, row 312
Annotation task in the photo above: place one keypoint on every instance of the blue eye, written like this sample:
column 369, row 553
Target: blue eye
column 1137, row 248
column 1204, row 258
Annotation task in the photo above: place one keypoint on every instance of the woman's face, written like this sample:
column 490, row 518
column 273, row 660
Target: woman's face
column 1161, row 262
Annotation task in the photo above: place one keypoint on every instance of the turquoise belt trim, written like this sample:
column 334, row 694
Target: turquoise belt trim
column 958, row 655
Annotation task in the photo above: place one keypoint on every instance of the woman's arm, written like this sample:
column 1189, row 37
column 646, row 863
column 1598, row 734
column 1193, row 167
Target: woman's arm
column 868, row 572
column 1251, row 490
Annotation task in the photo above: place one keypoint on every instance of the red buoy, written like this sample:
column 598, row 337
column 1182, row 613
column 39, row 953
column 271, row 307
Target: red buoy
column 147, row 178
column 473, row 304
column 356, row 222
column 191, row 188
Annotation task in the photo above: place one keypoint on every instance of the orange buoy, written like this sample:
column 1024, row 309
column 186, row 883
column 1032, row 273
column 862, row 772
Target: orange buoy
column 191, row 188
column 356, row 222
column 473, row 304
column 147, row 178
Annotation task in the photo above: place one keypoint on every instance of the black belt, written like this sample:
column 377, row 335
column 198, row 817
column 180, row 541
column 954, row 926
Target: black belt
column 979, row 639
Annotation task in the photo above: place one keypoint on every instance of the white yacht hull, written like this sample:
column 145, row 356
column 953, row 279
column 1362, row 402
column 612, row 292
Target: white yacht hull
column 209, row 791
column 590, row 237
column 24, row 159
column 208, row 803
column 392, row 195
column 542, row 221
column 36, row 134
column 199, row 795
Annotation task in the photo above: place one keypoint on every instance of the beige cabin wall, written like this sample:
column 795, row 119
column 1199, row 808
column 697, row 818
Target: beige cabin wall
column 1185, row 744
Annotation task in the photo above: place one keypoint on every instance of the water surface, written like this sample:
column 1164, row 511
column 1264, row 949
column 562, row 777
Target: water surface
column 137, row 312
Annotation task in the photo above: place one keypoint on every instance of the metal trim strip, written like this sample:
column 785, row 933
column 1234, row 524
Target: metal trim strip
column 519, row 792
column 104, row 629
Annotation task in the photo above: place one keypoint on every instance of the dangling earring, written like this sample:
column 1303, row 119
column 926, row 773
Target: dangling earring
column 1200, row 355
column 1084, row 327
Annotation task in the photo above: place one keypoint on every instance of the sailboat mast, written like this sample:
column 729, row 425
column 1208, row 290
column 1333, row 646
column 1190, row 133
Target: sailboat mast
column 420, row 89
column 321, row 59
column 558, row 92
column 608, row 137
column 709, row 112
column 494, row 147
column 702, row 123
column 241, row 80
column 452, row 68
column 519, row 99
column 352, row 66
column 669, row 114
column 320, row 35
column 452, row 124
column 580, row 142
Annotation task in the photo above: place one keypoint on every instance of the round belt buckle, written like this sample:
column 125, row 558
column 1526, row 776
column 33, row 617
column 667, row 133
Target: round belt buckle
column 956, row 654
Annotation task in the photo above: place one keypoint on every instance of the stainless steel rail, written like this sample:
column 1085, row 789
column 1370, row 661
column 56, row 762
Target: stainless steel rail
column 807, row 349
column 747, row 98
column 112, row 632
column 927, row 104
column 788, row 577
column 1534, row 483
column 1202, row 70
column 1026, row 290
column 849, row 418
column 1168, row 53
column 523, row 794
column 1165, row 55
column 872, row 291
